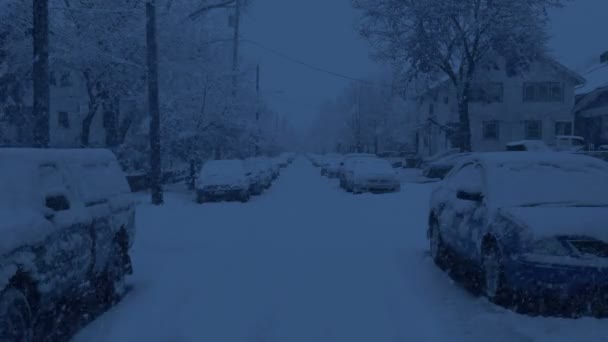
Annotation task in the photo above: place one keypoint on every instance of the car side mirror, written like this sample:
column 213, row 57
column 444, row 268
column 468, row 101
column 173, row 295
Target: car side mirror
column 470, row 195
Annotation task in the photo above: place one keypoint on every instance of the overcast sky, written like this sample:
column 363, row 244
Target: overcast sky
column 321, row 33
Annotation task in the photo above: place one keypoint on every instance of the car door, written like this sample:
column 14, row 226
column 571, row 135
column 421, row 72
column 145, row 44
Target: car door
column 463, row 215
column 96, row 199
column 65, row 258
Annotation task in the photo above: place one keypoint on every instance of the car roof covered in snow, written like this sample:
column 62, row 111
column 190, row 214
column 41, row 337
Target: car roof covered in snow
column 523, row 178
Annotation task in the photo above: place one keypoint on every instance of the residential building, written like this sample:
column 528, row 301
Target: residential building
column 535, row 105
column 591, row 108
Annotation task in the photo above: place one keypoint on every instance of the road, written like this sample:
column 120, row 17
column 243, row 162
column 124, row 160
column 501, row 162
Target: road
column 305, row 262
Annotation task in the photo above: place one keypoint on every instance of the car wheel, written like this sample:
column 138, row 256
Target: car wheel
column 494, row 283
column 16, row 321
column 244, row 198
column 110, row 286
column 437, row 248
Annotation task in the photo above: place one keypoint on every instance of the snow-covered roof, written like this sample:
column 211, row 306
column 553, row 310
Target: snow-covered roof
column 596, row 76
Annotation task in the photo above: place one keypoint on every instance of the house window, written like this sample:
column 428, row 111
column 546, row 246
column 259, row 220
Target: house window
column 534, row 129
column 543, row 92
column 65, row 80
column 486, row 92
column 563, row 128
column 446, row 100
column 490, row 130
column 63, row 119
column 431, row 109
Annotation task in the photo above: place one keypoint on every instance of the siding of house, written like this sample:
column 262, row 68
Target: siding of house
column 511, row 113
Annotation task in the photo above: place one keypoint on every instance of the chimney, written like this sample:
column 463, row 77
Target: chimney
column 604, row 58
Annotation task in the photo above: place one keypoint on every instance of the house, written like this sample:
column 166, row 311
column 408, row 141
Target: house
column 535, row 105
column 591, row 109
column 69, row 106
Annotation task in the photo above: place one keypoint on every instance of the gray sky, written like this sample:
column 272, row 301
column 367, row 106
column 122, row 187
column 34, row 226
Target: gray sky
column 321, row 32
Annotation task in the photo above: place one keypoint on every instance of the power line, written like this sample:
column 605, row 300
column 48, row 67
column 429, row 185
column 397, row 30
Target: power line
column 310, row 66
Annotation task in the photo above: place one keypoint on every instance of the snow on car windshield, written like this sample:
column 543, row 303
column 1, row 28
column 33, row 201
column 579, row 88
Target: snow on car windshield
column 568, row 182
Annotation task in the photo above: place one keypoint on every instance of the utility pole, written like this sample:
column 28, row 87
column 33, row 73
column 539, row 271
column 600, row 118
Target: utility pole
column 257, row 110
column 153, row 105
column 41, row 73
column 235, row 47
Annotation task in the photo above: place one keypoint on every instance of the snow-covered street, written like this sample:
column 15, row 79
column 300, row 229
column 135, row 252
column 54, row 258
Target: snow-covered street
column 306, row 262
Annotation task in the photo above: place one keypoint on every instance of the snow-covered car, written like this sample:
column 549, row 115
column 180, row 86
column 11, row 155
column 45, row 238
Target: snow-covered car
column 68, row 223
column 440, row 168
column 570, row 143
column 222, row 180
column 528, row 145
column 526, row 228
column 347, row 162
column 396, row 158
column 449, row 152
column 260, row 173
column 331, row 167
column 372, row 175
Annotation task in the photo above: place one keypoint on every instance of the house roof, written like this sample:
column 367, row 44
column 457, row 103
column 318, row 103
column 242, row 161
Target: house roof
column 596, row 76
column 579, row 80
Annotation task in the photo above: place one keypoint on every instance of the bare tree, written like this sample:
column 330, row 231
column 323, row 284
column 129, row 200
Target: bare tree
column 455, row 39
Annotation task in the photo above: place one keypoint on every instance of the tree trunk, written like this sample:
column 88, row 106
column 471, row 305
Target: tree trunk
column 85, row 133
column 464, row 127
column 111, row 113
column 41, row 74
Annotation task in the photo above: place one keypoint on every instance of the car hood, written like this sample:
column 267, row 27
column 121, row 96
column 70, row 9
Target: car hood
column 544, row 222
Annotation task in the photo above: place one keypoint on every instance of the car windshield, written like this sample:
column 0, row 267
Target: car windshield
column 551, row 183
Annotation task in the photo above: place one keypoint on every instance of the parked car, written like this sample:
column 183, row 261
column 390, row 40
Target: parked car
column 440, row 168
column 349, row 158
column 528, row 145
column 526, row 228
column 68, row 223
column 222, row 180
column 257, row 176
column 331, row 167
column 396, row 158
column 570, row 143
column 425, row 161
column 372, row 175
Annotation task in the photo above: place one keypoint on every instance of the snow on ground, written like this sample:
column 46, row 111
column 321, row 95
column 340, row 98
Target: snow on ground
column 305, row 262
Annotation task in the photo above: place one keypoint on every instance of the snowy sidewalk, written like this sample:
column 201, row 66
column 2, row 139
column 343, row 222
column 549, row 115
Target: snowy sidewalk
column 305, row 262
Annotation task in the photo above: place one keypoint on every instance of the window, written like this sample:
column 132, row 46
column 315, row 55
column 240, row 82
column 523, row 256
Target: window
column 563, row 128
column 446, row 100
column 431, row 109
column 490, row 130
column 543, row 92
column 534, row 129
column 63, row 119
column 486, row 92
column 65, row 80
